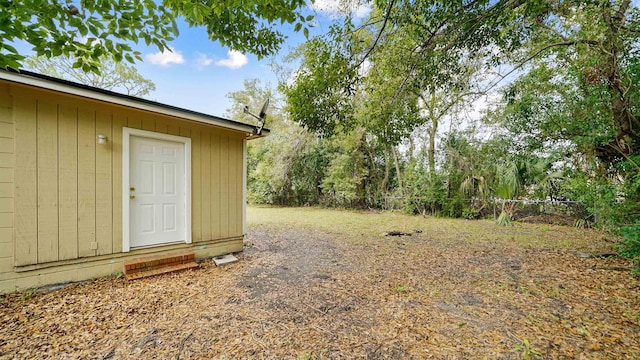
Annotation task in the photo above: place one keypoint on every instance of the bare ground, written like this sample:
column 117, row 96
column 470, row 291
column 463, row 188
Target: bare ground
column 337, row 288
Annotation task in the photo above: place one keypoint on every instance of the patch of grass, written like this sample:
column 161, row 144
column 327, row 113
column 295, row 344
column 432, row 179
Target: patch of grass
column 400, row 289
column 557, row 291
column 527, row 350
column 364, row 228
column 28, row 294
column 633, row 315
column 307, row 355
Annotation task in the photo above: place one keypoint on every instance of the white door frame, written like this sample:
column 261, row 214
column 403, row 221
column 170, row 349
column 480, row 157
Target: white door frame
column 126, row 157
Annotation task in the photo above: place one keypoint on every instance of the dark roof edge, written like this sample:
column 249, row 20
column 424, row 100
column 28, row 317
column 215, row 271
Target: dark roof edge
column 134, row 99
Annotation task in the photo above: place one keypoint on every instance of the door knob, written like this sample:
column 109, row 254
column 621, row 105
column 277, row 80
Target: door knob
column 132, row 196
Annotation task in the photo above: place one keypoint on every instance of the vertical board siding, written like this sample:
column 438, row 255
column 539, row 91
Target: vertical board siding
column 7, row 161
column 215, row 186
column 233, row 158
column 205, row 165
column 68, row 182
column 162, row 126
column 104, row 197
column 134, row 122
column 47, row 135
column 173, row 128
column 119, row 121
column 66, row 189
column 26, row 188
column 238, row 218
column 196, row 188
column 86, row 182
column 6, row 143
column 148, row 123
column 224, row 186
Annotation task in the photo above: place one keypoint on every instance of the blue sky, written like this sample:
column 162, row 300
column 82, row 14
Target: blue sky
column 199, row 72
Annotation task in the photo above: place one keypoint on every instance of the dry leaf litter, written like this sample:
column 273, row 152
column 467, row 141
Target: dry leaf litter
column 458, row 290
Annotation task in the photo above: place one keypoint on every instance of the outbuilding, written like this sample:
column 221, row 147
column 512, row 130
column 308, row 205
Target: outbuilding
column 90, row 179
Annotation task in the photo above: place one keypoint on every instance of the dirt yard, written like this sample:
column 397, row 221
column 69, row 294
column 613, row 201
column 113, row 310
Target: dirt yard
column 329, row 284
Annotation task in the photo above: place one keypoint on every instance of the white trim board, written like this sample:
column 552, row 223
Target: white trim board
column 126, row 157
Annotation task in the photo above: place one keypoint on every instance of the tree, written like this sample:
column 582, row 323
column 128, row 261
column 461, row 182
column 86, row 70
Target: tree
column 243, row 25
column 368, row 78
column 287, row 166
column 320, row 97
column 112, row 75
column 428, row 40
column 581, row 83
column 89, row 30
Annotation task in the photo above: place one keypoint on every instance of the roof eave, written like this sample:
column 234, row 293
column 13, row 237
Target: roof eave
column 68, row 87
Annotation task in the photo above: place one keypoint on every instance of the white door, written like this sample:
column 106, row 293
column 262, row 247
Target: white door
column 157, row 192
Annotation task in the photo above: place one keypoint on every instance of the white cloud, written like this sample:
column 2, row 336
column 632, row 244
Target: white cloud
column 203, row 60
column 235, row 60
column 338, row 8
column 165, row 58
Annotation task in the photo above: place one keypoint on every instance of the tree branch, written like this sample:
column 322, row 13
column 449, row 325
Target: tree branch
column 538, row 52
column 379, row 36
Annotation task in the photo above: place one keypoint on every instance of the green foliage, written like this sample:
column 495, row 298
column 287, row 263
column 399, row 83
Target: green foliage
column 111, row 75
column 247, row 26
column 91, row 30
column 630, row 246
column 399, row 289
column 427, row 194
column 344, row 183
column 28, row 294
column 320, row 96
column 504, row 218
column 307, row 355
column 527, row 350
column 288, row 166
column 599, row 196
column 470, row 213
column 566, row 127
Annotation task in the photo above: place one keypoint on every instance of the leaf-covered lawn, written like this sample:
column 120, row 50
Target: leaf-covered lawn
column 329, row 284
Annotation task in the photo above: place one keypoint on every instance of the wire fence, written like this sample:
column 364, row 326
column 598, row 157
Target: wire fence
column 533, row 210
column 554, row 210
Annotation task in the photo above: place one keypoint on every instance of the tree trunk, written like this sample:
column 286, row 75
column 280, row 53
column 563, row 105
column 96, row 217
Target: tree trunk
column 618, row 88
column 432, row 146
column 398, row 174
column 384, row 185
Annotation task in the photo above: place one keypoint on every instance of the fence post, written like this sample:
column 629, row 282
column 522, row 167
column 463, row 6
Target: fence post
column 494, row 208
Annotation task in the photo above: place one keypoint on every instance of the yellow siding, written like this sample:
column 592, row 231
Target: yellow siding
column 68, row 184
column 7, row 161
column 87, row 187
column 6, row 128
column 119, row 121
column 205, row 165
column 47, row 145
column 196, row 188
column 66, row 202
column 104, row 197
column 237, row 146
column 102, row 266
column 215, row 186
column 224, row 187
column 6, row 144
column 26, row 202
